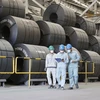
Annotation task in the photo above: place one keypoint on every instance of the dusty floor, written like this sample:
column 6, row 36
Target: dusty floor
column 91, row 91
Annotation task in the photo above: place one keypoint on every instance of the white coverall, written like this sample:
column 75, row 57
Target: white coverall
column 73, row 68
column 50, row 64
column 61, row 68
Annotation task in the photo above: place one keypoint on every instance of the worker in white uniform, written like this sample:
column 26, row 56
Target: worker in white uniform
column 74, row 58
column 50, row 65
column 61, row 66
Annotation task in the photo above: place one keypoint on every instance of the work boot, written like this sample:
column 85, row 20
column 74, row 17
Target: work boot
column 50, row 87
column 59, row 86
column 62, row 88
column 71, row 88
column 54, row 87
column 77, row 86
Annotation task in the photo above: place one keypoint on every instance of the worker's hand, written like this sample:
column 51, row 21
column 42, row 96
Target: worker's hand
column 45, row 69
column 62, row 60
column 73, row 61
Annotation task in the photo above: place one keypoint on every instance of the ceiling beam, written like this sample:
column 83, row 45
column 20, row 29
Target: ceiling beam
column 88, row 7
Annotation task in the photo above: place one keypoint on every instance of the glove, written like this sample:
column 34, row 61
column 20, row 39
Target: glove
column 62, row 60
column 73, row 61
column 45, row 69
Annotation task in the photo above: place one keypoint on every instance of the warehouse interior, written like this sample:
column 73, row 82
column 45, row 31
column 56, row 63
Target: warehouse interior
column 29, row 27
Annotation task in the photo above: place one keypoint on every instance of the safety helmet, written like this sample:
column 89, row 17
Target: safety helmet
column 51, row 47
column 68, row 46
column 61, row 47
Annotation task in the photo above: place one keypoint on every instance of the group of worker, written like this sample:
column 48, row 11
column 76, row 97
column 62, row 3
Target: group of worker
column 57, row 65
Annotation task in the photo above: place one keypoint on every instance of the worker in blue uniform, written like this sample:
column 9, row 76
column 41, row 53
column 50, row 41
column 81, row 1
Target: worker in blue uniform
column 50, row 66
column 73, row 66
column 61, row 66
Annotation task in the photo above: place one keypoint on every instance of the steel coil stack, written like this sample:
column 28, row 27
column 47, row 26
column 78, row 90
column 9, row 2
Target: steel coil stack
column 51, row 33
column 19, row 30
column 32, row 51
column 94, row 43
column 6, row 64
column 60, row 14
column 30, row 36
column 12, row 7
column 78, row 38
column 87, row 25
column 92, row 57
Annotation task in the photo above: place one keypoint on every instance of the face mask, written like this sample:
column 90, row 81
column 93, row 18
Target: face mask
column 51, row 51
column 68, row 51
column 61, row 51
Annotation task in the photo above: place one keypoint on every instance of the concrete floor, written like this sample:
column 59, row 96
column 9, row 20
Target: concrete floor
column 91, row 91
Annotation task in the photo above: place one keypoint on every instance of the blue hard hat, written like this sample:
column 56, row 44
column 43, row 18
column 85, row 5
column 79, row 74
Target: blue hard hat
column 61, row 47
column 68, row 46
